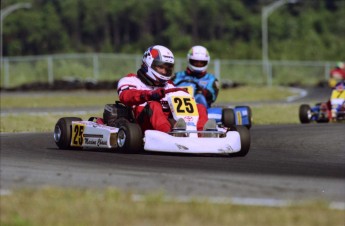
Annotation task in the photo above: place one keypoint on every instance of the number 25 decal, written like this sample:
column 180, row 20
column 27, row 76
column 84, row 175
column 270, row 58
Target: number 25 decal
column 77, row 135
column 185, row 106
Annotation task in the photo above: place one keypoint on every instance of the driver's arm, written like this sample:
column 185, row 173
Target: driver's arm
column 212, row 91
column 131, row 96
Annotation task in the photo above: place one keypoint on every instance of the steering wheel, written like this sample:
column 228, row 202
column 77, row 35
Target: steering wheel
column 190, row 81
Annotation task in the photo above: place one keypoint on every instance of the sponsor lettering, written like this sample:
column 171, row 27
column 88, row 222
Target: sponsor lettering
column 96, row 142
column 188, row 118
column 171, row 57
column 101, row 142
column 227, row 149
column 90, row 141
column 181, row 147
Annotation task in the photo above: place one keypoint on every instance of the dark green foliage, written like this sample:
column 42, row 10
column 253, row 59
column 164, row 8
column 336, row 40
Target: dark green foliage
column 309, row 30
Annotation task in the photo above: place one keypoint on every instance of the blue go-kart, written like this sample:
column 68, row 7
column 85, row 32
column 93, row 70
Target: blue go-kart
column 224, row 116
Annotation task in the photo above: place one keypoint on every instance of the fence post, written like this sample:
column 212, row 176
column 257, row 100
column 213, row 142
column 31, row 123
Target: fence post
column 217, row 69
column 50, row 70
column 269, row 74
column 178, row 65
column 327, row 70
column 268, row 70
column 95, row 67
column 7, row 73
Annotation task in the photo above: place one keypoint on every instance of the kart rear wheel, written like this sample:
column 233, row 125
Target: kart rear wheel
column 245, row 141
column 228, row 117
column 130, row 138
column 63, row 132
column 304, row 113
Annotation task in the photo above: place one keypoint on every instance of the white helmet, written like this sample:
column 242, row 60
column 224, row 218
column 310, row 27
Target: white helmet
column 341, row 65
column 158, row 56
column 198, row 53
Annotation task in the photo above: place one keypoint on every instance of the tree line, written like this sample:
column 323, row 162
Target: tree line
column 230, row 29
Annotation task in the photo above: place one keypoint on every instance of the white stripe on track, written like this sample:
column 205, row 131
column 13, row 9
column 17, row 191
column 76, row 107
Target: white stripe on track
column 268, row 202
column 300, row 94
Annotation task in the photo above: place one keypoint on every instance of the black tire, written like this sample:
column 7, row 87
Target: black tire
column 304, row 112
column 228, row 117
column 63, row 132
column 130, row 138
column 245, row 141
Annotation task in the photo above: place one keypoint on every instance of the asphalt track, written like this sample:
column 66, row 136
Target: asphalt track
column 293, row 162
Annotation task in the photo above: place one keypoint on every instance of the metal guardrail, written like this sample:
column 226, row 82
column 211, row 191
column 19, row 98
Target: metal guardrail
column 103, row 67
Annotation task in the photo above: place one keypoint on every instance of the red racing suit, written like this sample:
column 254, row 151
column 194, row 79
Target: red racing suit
column 149, row 104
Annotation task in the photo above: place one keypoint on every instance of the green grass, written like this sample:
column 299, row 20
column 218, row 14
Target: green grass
column 58, row 99
column 35, row 123
column 95, row 98
column 54, row 206
column 253, row 93
column 275, row 114
column 264, row 114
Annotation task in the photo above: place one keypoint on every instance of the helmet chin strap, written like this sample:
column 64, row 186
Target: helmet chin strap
column 196, row 74
column 147, row 80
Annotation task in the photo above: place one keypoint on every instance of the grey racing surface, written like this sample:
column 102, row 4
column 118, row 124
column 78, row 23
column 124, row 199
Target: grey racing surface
column 295, row 162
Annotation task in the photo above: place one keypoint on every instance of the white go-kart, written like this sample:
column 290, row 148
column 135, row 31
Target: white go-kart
column 118, row 131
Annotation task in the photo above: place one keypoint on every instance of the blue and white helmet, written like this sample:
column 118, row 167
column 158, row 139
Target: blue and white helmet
column 158, row 56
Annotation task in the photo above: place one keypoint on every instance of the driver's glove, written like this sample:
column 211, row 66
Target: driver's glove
column 154, row 95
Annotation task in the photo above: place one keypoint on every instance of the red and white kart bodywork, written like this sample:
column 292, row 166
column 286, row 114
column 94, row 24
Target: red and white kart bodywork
column 120, row 132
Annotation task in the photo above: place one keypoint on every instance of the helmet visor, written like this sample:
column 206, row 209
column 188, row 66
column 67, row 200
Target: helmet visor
column 163, row 68
column 198, row 63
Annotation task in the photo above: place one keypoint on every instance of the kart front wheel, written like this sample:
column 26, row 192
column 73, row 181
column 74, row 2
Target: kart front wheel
column 63, row 132
column 304, row 113
column 129, row 138
column 245, row 141
column 228, row 117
